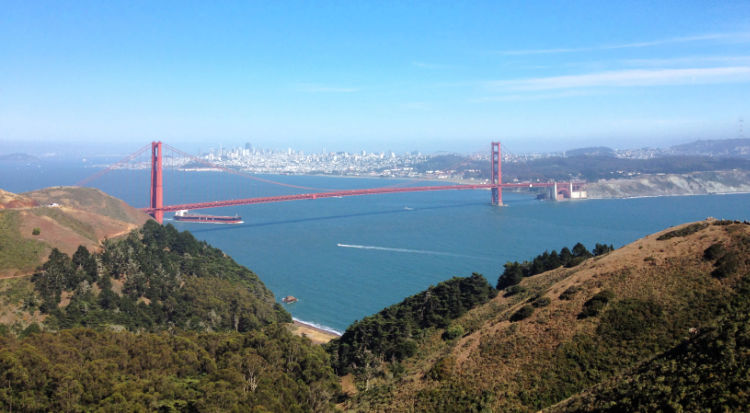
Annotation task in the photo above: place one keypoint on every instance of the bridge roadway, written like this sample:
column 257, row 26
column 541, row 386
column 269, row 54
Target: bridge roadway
column 349, row 192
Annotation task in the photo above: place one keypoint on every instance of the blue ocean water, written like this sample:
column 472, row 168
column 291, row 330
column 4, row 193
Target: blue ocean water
column 345, row 258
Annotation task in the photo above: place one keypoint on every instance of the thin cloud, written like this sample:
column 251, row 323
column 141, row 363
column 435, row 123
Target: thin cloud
column 319, row 88
column 533, row 96
column 629, row 78
column 688, row 60
column 733, row 37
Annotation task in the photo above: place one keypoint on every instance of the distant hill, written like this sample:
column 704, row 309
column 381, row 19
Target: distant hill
column 18, row 157
column 726, row 148
column 62, row 217
column 564, row 331
column 592, row 168
column 592, row 151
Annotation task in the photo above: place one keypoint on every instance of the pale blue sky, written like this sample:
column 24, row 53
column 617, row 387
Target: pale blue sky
column 350, row 75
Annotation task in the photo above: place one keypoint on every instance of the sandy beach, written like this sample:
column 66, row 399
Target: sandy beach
column 315, row 334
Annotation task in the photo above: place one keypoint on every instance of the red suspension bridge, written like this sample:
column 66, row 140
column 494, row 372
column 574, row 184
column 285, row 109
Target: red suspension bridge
column 157, row 208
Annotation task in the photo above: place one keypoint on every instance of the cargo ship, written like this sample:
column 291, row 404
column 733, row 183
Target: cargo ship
column 185, row 216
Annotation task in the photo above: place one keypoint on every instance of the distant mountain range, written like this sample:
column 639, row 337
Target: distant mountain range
column 732, row 148
column 18, row 157
column 723, row 148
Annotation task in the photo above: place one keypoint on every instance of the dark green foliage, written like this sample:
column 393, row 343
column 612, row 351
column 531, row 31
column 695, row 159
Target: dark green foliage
column 170, row 279
column 53, row 277
column 452, row 332
column 513, row 290
column 601, row 249
column 595, row 304
column 727, row 265
column 684, row 231
column 511, row 276
column 541, row 302
column 569, row 292
column 627, row 319
column 453, row 397
column 515, row 271
column 524, row 312
column 36, row 231
column 714, row 252
column 580, row 251
column 391, row 333
column 709, row 372
column 89, row 370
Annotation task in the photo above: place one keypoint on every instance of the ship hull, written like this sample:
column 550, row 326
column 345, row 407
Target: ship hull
column 209, row 219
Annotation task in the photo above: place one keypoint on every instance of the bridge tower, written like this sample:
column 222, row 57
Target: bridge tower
column 157, row 188
column 497, row 174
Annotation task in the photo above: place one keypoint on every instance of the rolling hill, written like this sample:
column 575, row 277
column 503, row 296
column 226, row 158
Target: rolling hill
column 561, row 332
column 35, row 222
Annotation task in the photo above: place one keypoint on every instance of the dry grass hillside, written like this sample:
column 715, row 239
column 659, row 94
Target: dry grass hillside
column 9, row 200
column 571, row 328
column 33, row 223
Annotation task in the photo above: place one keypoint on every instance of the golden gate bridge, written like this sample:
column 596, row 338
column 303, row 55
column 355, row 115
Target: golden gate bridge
column 157, row 208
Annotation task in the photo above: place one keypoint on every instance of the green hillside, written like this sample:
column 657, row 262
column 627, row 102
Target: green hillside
column 156, row 320
column 563, row 331
column 708, row 372
column 155, row 278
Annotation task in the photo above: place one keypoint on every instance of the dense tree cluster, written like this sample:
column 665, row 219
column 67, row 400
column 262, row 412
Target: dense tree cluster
column 83, row 369
column 155, row 278
column 515, row 271
column 709, row 372
column 391, row 334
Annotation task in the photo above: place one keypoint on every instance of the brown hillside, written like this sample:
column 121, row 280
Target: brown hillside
column 9, row 200
column 64, row 217
column 659, row 290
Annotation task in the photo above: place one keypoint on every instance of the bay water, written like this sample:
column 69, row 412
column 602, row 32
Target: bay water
column 346, row 258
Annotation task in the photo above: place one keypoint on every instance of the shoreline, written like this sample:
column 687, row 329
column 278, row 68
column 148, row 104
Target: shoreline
column 317, row 327
column 316, row 333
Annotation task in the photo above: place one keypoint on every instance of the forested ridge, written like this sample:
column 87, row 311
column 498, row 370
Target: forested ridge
column 393, row 333
column 159, row 321
column 675, row 298
column 154, row 279
column 84, row 369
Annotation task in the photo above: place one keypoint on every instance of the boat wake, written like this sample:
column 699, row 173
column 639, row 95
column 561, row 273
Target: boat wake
column 408, row 251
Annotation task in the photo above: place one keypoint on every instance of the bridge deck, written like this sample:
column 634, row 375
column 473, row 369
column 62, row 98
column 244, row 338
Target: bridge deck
column 350, row 192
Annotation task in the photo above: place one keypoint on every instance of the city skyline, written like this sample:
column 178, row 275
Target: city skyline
column 374, row 76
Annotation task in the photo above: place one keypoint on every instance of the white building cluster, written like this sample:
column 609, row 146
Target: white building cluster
column 254, row 160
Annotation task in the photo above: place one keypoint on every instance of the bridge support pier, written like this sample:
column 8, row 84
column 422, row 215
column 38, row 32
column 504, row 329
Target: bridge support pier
column 157, row 187
column 496, row 177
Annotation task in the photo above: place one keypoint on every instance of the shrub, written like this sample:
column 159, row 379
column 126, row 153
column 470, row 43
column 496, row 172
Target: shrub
column 630, row 318
column 569, row 293
column 541, row 302
column 452, row 332
column 595, row 304
column 713, row 252
column 513, row 290
column 442, row 369
column 684, row 231
column 726, row 265
column 525, row 312
column 36, row 231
